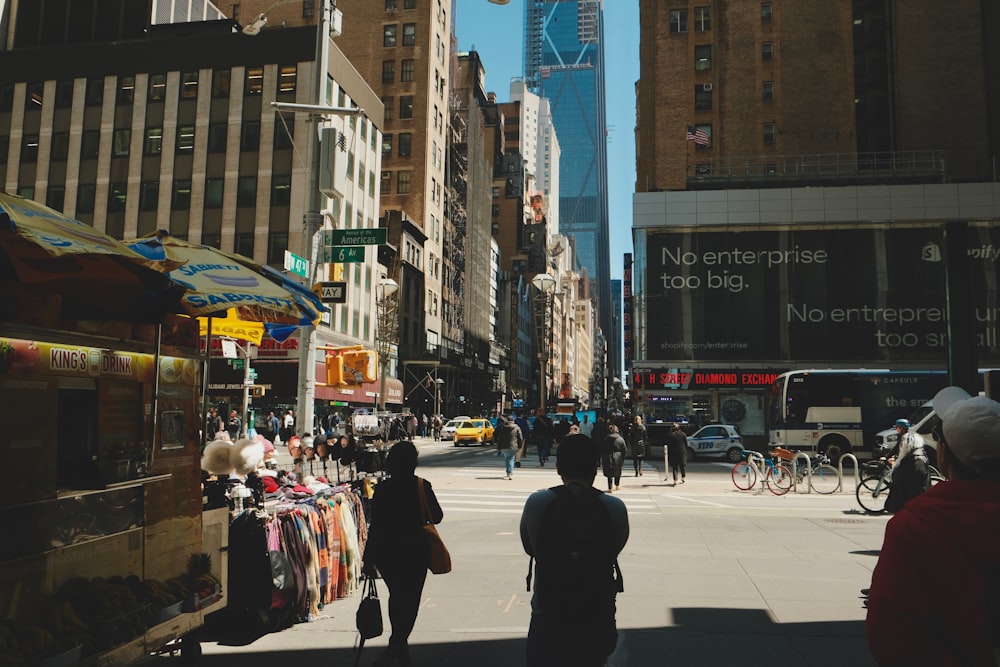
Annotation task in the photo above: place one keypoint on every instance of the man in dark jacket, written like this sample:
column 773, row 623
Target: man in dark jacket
column 541, row 433
column 509, row 440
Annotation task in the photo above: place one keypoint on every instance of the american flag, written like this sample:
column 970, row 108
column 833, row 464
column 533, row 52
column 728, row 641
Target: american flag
column 699, row 135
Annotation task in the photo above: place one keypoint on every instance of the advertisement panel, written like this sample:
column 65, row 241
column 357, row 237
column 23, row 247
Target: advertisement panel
column 863, row 295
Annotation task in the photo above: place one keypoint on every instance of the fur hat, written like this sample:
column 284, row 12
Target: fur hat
column 215, row 458
column 246, row 455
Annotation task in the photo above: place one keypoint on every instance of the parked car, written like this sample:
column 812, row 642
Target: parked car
column 448, row 430
column 715, row 440
column 478, row 431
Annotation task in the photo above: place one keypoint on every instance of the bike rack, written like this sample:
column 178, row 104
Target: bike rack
column 855, row 464
column 795, row 471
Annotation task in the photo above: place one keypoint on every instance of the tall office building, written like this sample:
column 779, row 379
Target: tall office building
column 564, row 62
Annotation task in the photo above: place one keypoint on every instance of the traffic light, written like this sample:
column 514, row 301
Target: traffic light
column 360, row 366
column 334, row 370
column 257, row 391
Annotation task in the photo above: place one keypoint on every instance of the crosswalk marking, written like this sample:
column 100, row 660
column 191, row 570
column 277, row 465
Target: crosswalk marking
column 513, row 503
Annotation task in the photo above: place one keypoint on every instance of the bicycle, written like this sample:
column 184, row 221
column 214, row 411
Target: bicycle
column 823, row 477
column 876, row 482
column 775, row 476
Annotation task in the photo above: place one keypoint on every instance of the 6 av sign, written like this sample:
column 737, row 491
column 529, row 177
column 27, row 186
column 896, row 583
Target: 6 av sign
column 339, row 237
column 344, row 254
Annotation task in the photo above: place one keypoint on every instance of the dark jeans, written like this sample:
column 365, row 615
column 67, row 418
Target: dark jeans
column 569, row 646
column 637, row 463
column 405, row 581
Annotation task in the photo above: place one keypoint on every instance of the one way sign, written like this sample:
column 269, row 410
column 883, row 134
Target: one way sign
column 332, row 292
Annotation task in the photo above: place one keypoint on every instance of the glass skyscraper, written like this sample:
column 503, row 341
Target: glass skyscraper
column 564, row 62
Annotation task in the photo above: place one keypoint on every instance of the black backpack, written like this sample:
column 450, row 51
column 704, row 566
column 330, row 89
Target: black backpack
column 579, row 573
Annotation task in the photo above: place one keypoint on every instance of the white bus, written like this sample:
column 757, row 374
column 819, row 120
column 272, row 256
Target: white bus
column 835, row 411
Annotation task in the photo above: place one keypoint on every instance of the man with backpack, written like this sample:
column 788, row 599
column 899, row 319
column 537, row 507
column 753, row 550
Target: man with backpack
column 574, row 534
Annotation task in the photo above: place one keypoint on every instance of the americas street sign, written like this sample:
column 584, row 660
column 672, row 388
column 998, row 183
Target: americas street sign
column 342, row 254
column 338, row 237
column 331, row 292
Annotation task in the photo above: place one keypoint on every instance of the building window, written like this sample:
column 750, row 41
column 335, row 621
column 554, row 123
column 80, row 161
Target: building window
column 308, row 9
column 350, row 165
column 55, row 197
column 388, row 104
column 35, row 97
column 702, row 97
column 402, row 182
column 246, row 191
column 189, row 85
column 496, row 192
column 149, row 195
column 769, row 133
column 185, row 138
column 409, row 34
column 221, row 81
column 702, row 57
column 64, row 94
column 405, row 106
column 281, row 190
column 116, row 197
column 60, row 147
column 767, row 51
column 250, row 136
column 6, row 97
column 287, row 77
column 388, row 71
column 213, row 192
column 255, row 80
column 153, row 143
column 406, row 71
column 702, row 19
column 405, row 139
column 767, row 91
column 766, row 12
column 386, row 183
column 371, row 183
column 90, row 144
column 409, row 4
column 389, row 34
column 243, row 244
column 678, row 21
column 212, row 239
column 181, row 199
column 703, row 169
column 86, row 195
column 283, row 135
column 391, row 5
column 217, row 137
column 120, row 141
column 157, row 87
column 126, row 90
column 95, row 93
column 277, row 244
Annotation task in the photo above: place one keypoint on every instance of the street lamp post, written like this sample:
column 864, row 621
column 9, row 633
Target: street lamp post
column 545, row 284
column 437, row 395
column 385, row 332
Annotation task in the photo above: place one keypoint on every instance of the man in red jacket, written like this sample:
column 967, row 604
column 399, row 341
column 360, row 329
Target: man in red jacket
column 935, row 593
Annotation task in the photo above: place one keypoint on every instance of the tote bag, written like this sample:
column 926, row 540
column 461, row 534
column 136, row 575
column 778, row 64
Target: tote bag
column 438, row 558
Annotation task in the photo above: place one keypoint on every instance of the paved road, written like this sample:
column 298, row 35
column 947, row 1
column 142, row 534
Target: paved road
column 713, row 576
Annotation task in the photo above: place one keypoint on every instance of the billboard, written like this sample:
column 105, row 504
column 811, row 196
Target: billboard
column 865, row 295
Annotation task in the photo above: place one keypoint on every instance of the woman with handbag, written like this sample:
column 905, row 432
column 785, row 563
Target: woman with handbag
column 638, row 441
column 397, row 545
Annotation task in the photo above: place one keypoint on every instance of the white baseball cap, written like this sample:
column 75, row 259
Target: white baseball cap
column 970, row 424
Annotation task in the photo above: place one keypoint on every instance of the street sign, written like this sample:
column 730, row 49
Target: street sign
column 252, row 373
column 373, row 236
column 237, row 364
column 296, row 264
column 344, row 254
column 331, row 292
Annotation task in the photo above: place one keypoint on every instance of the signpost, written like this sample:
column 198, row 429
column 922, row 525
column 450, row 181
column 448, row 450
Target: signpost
column 296, row 264
column 340, row 237
column 331, row 292
column 344, row 254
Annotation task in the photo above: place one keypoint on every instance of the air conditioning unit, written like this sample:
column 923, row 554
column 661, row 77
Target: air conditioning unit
column 707, row 87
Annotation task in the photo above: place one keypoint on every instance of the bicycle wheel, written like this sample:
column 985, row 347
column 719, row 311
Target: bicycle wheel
column 744, row 476
column 779, row 480
column 871, row 494
column 824, row 479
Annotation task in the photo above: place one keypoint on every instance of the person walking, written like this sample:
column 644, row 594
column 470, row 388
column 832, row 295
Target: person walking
column 542, row 434
column 677, row 447
column 287, row 426
column 271, row 426
column 587, row 426
column 613, row 450
column 574, row 533
column 509, row 440
column 436, row 425
column 950, row 532
column 234, row 426
column 638, row 441
column 397, row 548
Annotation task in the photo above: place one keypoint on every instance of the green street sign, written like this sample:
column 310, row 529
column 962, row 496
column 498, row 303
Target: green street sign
column 344, row 254
column 296, row 264
column 237, row 364
column 338, row 237
column 252, row 373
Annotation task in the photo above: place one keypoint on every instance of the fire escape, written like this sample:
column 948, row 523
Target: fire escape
column 455, row 233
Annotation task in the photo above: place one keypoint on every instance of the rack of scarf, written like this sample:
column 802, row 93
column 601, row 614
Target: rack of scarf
column 298, row 554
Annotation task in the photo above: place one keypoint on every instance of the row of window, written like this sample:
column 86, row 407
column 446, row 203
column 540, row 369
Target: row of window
column 407, row 68
column 94, row 95
column 121, row 140
column 393, row 5
column 702, row 18
column 703, row 93
column 769, row 133
column 390, row 32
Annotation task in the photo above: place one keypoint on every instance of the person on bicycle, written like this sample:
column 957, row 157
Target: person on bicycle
column 935, row 592
column 911, row 465
column 906, row 442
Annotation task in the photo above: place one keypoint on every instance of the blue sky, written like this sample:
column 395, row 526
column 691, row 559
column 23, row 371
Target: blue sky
column 497, row 33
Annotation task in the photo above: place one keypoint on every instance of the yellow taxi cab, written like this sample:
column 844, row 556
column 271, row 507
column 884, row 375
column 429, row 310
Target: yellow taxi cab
column 478, row 431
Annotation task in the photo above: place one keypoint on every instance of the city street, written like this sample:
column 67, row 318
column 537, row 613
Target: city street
column 712, row 575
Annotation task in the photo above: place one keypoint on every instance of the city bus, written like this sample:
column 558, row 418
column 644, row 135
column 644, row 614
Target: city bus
column 835, row 411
